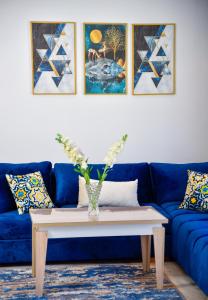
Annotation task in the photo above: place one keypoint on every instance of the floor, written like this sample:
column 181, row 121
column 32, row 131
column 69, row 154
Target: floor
column 184, row 283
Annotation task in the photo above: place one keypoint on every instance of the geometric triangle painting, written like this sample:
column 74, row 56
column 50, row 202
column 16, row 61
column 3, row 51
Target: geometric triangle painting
column 153, row 59
column 53, row 58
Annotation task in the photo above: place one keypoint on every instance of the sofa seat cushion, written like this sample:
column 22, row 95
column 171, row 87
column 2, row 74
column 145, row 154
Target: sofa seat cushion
column 14, row 226
column 185, row 222
column 199, row 262
column 190, row 245
column 172, row 209
column 7, row 202
column 67, row 186
column 170, row 180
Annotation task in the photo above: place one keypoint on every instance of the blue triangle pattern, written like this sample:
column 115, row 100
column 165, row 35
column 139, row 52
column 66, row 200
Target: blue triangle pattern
column 136, row 78
column 57, row 80
column 48, row 53
column 59, row 65
column 59, row 29
column 61, row 51
column 160, row 30
column 145, row 67
column 150, row 42
column 36, row 77
column 159, row 65
column 156, row 80
column 161, row 52
column 45, row 66
column 49, row 38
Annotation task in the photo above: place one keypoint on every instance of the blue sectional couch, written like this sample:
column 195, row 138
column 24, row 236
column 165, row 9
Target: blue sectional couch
column 159, row 184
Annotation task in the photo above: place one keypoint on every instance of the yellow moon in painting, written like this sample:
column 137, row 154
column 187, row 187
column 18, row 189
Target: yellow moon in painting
column 96, row 36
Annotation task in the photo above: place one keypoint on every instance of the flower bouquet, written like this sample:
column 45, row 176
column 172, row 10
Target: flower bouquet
column 81, row 166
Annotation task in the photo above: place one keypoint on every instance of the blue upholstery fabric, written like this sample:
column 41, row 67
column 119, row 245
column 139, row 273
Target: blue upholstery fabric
column 75, row 249
column 14, row 226
column 67, row 180
column 190, row 245
column 7, row 202
column 186, row 232
column 189, row 239
column 169, row 180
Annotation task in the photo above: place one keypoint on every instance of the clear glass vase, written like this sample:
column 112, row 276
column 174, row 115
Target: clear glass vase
column 93, row 192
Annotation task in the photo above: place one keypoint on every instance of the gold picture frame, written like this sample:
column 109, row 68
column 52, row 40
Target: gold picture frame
column 98, row 27
column 58, row 73
column 173, row 55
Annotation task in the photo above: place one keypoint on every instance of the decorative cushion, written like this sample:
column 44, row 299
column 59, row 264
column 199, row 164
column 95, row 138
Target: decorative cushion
column 112, row 193
column 7, row 202
column 196, row 196
column 67, row 182
column 29, row 191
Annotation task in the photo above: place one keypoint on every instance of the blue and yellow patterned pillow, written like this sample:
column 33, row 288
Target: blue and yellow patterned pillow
column 29, row 191
column 196, row 196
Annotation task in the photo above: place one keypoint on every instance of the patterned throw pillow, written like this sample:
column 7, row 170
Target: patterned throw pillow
column 196, row 196
column 29, row 191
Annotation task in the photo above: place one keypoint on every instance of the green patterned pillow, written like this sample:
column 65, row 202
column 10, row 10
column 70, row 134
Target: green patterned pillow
column 196, row 196
column 29, row 191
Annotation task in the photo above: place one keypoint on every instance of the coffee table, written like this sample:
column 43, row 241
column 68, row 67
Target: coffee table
column 143, row 221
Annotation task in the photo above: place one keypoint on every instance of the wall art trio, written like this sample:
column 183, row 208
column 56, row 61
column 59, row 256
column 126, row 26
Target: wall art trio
column 105, row 58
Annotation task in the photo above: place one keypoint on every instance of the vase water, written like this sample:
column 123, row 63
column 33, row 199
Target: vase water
column 93, row 191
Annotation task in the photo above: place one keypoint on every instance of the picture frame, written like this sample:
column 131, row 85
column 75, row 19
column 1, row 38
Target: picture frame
column 53, row 47
column 105, row 68
column 153, row 59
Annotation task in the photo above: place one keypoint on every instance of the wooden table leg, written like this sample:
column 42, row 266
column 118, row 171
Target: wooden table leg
column 159, row 243
column 33, row 251
column 146, row 247
column 41, row 239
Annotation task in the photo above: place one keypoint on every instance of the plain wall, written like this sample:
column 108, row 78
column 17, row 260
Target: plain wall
column 162, row 128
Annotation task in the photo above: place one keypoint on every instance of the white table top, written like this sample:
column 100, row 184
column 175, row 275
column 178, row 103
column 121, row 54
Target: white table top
column 108, row 215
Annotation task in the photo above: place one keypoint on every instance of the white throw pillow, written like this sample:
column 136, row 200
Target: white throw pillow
column 112, row 193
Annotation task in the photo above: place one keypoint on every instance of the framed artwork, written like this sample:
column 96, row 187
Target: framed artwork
column 53, row 58
column 153, row 59
column 105, row 58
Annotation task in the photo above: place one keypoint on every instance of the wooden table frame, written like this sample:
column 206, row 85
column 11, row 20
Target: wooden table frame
column 145, row 229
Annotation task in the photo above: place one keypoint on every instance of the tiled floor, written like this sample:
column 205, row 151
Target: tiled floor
column 183, row 282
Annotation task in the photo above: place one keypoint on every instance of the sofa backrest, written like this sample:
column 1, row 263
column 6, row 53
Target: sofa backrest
column 157, row 182
column 169, row 180
column 67, row 180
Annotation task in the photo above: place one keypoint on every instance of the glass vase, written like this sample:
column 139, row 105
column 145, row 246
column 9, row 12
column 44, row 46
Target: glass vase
column 93, row 192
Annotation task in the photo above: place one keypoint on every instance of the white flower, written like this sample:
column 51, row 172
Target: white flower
column 73, row 152
column 84, row 165
column 114, row 150
column 78, row 158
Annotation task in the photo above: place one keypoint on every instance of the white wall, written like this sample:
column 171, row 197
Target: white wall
column 161, row 128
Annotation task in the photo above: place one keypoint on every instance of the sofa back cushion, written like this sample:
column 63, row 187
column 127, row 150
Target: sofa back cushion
column 7, row 201
column 169, row 181
column 67, row 186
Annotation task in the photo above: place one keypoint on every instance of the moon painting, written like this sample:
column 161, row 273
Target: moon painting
column 105, row 58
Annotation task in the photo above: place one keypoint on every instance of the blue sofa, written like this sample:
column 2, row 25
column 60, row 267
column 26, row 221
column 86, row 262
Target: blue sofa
column 161, row 185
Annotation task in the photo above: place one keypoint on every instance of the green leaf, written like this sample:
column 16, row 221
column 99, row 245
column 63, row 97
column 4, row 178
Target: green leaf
column 124, row 137
column 99, row 175
column 58, row 137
